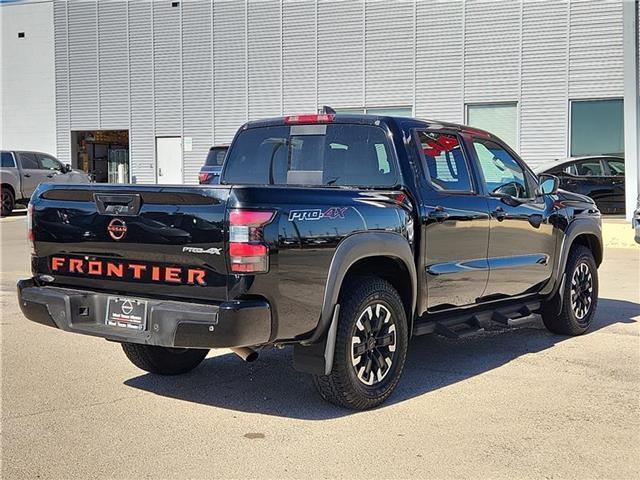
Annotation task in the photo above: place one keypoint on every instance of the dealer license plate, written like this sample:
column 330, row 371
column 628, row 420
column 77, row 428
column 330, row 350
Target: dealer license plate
column 128, row 313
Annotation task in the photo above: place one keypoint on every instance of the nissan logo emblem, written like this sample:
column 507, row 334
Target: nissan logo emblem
column 117, row 229
column 127, row 307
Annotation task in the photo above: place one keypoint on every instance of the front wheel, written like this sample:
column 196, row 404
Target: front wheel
column 580, row 295
column 164, row 360
column 371, row 345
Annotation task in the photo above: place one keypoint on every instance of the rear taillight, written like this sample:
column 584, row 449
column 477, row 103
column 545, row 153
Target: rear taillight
column 312, row 118
column 203, row 177
column 30, row 235
column 248, row 252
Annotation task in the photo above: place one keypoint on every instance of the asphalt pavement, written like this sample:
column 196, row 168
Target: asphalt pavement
column 508, row 403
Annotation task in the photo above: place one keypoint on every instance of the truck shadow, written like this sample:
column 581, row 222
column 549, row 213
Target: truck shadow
column 270, row 386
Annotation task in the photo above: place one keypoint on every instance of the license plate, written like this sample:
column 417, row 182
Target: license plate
column 129, row 313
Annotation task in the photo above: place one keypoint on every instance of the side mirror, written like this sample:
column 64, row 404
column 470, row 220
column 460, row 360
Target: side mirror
column 548, row 184
column 66, row 168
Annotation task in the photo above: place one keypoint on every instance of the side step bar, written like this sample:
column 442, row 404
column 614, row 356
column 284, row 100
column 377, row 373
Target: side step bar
column 460, row 330
column 463, row 323
column 515, row 320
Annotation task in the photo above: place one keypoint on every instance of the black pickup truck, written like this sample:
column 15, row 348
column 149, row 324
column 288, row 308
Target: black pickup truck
column 342, row 235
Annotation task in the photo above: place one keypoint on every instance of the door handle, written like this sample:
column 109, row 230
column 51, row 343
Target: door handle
column 439, row 214
column 26, row 175
column 50, row 175
column 499, row 214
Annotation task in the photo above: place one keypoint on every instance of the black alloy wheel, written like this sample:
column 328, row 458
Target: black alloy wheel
column 570, row 311
column 581, row 290
column 370, row 346
column 373, row 344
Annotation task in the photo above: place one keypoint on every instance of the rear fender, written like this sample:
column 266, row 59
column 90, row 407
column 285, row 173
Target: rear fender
column 315, row 355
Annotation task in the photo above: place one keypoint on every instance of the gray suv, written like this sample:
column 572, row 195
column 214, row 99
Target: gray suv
column 21, row 172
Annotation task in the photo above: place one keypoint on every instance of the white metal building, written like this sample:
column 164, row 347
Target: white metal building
column 547, row 76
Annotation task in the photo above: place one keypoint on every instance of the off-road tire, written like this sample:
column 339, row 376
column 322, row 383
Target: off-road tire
column 164, row 360
column 8, row 202
column 567, row 322
column 342, row 386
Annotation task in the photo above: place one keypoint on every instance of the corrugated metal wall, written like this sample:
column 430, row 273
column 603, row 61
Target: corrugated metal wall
column 63, row 103
column 439, row 61
column 113, row 66
column 142, row 118
column 197, row 79
column 83, row 64
column 200, row 69
column 543, row 102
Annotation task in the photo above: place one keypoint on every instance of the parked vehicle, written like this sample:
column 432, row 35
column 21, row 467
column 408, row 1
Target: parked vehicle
column 21, row 172
column 342, row 235
column 210, row 171
column 599, row 177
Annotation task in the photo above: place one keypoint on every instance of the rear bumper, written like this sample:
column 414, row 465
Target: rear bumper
column 169, row 323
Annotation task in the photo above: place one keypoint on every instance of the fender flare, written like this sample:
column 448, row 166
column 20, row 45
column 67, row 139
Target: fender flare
column 581, row 226
column 315, row 355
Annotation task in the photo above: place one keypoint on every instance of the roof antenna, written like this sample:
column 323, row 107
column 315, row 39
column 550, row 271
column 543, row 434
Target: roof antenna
column 327, row 109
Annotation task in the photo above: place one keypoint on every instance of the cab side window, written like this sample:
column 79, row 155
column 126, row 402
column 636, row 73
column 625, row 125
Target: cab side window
column 49, row 163
column 445, row 161
column 502, row 173
column 28, row 161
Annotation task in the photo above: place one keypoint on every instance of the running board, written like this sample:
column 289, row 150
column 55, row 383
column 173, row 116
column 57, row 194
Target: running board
column 514, row 319
column 460, row 330
column 462, row 323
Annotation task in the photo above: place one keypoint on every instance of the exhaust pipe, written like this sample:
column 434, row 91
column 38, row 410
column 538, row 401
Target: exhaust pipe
column 245, row 353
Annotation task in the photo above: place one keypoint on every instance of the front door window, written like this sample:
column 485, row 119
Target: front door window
column 616, row 167
column 49, row 163
column 502, row 173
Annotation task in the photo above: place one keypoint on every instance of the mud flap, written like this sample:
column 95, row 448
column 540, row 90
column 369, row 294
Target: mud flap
column 317, row 358
column 553, row 305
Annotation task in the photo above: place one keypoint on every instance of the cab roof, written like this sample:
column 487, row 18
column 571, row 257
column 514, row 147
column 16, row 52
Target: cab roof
column 363, row 119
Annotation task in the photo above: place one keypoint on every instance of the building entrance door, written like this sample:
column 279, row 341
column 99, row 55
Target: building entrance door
column 169, row 160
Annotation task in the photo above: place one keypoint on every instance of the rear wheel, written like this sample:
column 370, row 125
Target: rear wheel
column 580, row 295
column 371, row 346
column 163, row 360
column 8, row 201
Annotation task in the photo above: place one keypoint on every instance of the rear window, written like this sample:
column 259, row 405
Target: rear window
column 445, row 161
column 215, row 158
column 333, row 154
column 29, row 161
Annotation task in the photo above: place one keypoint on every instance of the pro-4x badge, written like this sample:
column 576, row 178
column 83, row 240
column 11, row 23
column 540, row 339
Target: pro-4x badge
column 210, row 251
column 317, row 213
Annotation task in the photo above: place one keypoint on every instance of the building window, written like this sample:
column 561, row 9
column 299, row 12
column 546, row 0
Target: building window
column 597, row 127
column 391, row 111
column 501, row 119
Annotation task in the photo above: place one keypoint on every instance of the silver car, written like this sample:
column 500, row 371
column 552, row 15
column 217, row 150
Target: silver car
column 22, row 171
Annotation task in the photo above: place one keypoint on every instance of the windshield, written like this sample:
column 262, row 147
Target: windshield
column 333, row 154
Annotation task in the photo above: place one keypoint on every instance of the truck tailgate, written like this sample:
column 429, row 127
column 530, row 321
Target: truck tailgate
column 149, row 241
